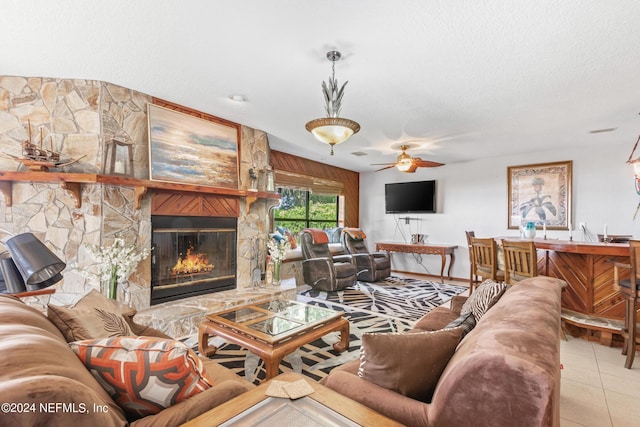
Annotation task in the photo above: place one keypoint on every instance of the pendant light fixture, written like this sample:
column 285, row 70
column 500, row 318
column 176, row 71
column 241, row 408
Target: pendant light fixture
column 332, row 129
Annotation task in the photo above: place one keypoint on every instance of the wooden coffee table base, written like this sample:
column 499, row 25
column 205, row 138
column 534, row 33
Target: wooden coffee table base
column 271, row 354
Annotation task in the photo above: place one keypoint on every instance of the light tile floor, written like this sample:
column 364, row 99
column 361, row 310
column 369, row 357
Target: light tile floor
column 596, row 389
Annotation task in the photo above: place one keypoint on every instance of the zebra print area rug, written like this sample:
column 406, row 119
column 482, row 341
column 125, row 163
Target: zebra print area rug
column 392, row 305
column 403, row 298
column 315, row 359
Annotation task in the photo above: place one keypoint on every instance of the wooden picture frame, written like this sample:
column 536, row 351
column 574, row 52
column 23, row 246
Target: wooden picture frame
column 540, row 193
column 189, row 150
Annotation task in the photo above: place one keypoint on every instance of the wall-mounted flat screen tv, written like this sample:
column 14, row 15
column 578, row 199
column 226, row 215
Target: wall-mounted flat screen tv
column 410, row 197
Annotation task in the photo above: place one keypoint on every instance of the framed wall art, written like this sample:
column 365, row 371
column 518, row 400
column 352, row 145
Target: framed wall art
column 540, row 193
column 189, row 150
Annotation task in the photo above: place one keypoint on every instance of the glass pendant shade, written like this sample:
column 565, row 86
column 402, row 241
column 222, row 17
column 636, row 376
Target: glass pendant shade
column 38, row 266
column 332, row 130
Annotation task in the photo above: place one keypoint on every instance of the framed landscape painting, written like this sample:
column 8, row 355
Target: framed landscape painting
column 188, row 150
column 541, row 194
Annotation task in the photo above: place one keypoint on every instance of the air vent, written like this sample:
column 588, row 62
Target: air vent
column 602, row 130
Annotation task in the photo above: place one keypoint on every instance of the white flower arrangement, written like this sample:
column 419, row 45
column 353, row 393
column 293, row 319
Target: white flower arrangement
column 115, row 262
column 278, row 249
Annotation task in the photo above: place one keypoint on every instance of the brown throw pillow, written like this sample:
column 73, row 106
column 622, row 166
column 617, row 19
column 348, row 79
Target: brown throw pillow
column 291, row 238
column 409, row 364
column 95, row 299
column 78, row 324
column 93, row 316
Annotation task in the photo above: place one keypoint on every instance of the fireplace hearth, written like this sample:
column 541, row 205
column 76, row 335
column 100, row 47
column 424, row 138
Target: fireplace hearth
column 192, row 256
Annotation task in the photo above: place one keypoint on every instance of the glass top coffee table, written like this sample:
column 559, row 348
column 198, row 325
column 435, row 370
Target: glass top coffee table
column 273, row 329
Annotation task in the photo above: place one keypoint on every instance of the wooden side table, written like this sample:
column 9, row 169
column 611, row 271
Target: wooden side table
column 332, row 404
column 44, row 291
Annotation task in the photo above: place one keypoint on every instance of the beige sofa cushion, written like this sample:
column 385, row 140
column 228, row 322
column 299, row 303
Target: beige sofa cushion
column 409, row 364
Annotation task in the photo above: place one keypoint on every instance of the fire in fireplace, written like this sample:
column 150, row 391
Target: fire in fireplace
column 192, row 256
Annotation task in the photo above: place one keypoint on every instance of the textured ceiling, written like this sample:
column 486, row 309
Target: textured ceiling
column 460, row 79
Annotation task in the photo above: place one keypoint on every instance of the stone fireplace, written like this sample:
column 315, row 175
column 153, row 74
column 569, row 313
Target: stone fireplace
column 89, row 204
column 191, row 256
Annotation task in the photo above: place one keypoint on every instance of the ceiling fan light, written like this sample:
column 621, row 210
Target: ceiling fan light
column 404, row 165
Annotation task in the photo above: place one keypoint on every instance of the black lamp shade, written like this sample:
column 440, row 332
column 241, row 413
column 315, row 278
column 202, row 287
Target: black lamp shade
column 12, row 278
column 38, row 266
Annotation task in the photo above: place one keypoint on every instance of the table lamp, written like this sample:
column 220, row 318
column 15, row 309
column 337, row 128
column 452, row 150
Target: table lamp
column 37, row 265
column 12, row 279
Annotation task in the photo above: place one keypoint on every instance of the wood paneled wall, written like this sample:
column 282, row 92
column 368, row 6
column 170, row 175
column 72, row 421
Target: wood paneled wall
column 350, row 179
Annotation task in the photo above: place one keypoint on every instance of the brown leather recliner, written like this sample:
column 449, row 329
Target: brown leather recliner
column 371, row 266
column 320, row 268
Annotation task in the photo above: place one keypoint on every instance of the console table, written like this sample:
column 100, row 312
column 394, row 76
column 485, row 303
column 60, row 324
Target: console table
column 423, row 249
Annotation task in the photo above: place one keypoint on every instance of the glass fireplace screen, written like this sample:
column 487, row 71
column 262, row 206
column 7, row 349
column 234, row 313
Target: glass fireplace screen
column 192, row 256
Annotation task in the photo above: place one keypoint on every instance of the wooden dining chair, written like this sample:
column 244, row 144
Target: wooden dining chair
column 520, row 260
column 630, row 290
column 485, row 259
column 473, row 278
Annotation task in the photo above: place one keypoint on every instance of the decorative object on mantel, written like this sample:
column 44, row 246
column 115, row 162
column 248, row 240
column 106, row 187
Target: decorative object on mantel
column 38, row 158
column 115, row 265
column 253, row 180
column 332, row 129
column 116, row 165
column 278, row 246
column 408, row 164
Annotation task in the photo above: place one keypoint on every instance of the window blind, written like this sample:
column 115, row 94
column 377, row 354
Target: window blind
column 307, row 182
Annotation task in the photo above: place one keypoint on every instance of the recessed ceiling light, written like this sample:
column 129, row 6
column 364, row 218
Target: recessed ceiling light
column 602, row 130
column 359, row 153
column 238, row 98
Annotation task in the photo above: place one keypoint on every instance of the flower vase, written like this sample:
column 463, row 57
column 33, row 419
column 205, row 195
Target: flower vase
column 530, row 230
column 113, row 284
column 276, row 273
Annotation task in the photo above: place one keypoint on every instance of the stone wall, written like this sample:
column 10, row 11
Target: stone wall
column 79, row 118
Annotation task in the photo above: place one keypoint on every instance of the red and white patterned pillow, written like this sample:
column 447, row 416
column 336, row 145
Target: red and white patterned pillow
column 143, row 375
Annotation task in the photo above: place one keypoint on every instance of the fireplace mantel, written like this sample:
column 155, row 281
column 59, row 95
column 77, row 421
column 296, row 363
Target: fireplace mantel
column 72, row 183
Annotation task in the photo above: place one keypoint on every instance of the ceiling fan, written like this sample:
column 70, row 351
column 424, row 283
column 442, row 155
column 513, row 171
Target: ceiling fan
column 406, row 163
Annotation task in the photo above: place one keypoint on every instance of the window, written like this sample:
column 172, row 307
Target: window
column 300, row 209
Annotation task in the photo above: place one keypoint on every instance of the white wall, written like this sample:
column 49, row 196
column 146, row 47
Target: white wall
column 473, row 196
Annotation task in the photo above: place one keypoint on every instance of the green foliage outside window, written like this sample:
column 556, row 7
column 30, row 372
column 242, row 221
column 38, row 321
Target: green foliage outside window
column 300, row 209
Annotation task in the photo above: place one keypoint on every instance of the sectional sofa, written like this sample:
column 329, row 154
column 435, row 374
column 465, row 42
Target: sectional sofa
column 504, row 372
